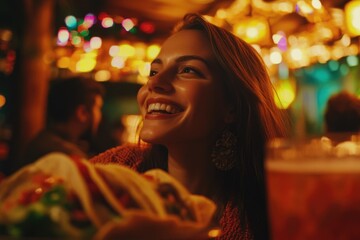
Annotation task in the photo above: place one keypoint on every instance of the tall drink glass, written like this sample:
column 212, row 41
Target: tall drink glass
column 313, row 189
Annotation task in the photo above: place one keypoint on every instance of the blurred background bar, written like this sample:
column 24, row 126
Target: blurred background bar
column 311, row 49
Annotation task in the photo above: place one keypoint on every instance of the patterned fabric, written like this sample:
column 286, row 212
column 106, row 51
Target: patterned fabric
column 132, row 156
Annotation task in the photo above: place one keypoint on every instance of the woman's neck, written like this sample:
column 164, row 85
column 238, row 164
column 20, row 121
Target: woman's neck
column 191, row 165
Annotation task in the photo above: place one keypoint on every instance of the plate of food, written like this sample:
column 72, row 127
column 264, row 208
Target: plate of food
column 59, row 196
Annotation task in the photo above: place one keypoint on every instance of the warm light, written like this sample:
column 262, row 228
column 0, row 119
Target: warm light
column 5, row 35
column 321, row 52
column 345, row 40
column 268, row 63
column 152, row 51
column 284, row 7
column 353, row 49
column 317, row 50
column 285, row 94
column 144, row 69
column 214, row 20
column 298, row 57
column 296, row 54
column 213, row 233
column 323, row 58
column 276, row 38
column 253, row 30
column 114, row 50
column 304, row 8
column 102, row 75
column 2, row 100
column 107, row 22
column 352, row 17
column 63, row 36
column 202, row 1
column 118, row 62
column 118, row 19
column 221, row 13
column 257, row 48
column 147, row 27
column 279, row 39
column 63, row 62
column 275, row 57
column 316, row 4
column 86, row 63
column 128, row 24
column 140, row 50
column 126, row 50
column 95, row 43
column 87, row 47
column 337, row 52
column 326, row 33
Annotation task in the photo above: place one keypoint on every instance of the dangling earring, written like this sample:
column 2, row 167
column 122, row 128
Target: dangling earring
column 224, row 151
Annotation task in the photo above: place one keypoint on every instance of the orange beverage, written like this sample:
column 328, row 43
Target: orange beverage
column 314, row 191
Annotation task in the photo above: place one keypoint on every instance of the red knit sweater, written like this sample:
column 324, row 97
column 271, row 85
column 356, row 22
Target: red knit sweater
column 132, row 156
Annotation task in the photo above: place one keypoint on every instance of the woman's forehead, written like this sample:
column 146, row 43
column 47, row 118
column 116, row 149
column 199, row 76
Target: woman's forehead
column 193, row 41
column 187, row 42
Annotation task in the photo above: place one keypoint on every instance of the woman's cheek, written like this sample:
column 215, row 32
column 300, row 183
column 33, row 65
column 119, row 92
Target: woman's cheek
column 141, row 96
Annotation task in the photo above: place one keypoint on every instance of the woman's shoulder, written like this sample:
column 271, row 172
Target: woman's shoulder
column 130, row 155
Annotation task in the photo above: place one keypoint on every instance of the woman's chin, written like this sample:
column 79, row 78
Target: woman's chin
column 151, row 137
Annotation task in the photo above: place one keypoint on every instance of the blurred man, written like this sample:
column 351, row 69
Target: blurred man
column 342, row 113
column 73, row 116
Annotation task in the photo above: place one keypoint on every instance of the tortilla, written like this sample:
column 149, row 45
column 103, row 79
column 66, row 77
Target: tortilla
column 111, row 177
column 115, row 199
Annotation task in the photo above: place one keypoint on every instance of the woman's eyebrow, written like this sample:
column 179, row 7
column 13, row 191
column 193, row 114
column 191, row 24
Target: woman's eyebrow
column 185, row 58
column 157, row 60
column 192, row 57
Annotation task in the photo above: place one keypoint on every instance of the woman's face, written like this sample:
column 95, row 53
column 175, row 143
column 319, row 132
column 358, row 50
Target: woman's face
column 183, row 101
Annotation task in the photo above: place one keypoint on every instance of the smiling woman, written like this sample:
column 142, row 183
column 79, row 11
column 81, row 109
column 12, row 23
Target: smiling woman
column 208, row 111
column 185, row 77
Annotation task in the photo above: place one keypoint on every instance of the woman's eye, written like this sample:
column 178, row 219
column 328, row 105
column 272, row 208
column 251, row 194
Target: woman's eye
column 190, row 70
column 152, row 73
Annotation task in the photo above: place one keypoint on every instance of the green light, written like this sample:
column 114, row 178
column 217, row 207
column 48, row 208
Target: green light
column 333, row 65
column 133, row 30
column 84, row 33
column 352, row 61
column 344, row 69
column 71, row 22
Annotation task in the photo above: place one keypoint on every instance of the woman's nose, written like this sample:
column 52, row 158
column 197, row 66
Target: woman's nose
column 160, row 83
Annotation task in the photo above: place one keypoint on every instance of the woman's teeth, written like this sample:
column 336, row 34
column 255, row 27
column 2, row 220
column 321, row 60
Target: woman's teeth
column 163, row 108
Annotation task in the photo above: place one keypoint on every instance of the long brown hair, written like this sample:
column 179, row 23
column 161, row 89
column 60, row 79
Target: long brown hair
column 250, row 91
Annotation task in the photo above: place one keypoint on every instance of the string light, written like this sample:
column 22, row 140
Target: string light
column 128, row 24
column 296, row 51
column 71, row 22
